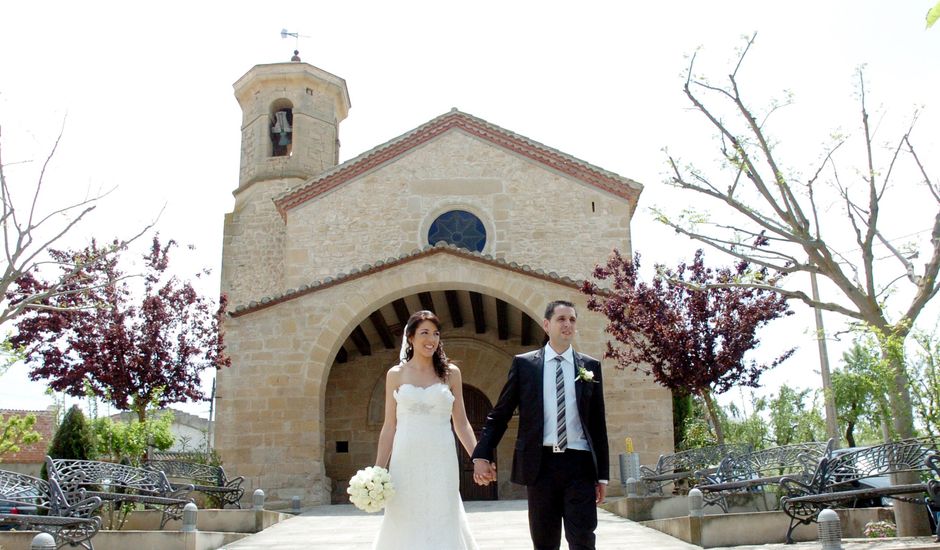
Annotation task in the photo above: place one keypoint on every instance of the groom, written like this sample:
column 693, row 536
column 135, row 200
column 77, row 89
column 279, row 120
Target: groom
column 561, row 451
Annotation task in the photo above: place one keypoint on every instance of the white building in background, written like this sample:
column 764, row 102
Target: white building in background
column 191, row 433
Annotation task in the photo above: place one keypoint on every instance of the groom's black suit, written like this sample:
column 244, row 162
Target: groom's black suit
column 536, row 466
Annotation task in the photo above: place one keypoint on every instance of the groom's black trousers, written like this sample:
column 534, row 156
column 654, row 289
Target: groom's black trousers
column 563, row 492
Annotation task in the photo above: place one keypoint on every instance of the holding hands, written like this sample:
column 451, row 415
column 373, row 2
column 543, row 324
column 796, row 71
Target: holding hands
column 484, row 471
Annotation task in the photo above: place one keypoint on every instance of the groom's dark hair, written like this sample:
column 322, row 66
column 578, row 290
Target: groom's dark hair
column 550, row 308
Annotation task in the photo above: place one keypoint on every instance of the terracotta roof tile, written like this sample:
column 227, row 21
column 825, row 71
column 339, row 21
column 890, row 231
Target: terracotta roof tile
column 368, row 269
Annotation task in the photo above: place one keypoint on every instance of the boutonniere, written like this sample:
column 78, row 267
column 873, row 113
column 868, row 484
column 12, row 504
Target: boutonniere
column 585, row 375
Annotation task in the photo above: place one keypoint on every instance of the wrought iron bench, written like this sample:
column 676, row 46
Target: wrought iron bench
column 43, row 506
column 207, row 479
column 839, row 479
column 119, row 484
column 685, row 465
column 752, row 472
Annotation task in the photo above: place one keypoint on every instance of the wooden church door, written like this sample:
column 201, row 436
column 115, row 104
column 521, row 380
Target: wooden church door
column 478, row 406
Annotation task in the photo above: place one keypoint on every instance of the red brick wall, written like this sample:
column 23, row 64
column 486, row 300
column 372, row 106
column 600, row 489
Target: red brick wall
column 35, row 453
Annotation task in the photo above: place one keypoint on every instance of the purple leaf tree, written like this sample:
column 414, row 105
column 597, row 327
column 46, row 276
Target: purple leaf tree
column 130, row 348
column 687, row 328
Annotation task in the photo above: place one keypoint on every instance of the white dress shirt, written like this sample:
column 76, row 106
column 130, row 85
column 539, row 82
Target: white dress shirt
column 576, row 438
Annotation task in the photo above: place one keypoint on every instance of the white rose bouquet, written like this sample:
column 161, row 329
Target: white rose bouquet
column 370, row 489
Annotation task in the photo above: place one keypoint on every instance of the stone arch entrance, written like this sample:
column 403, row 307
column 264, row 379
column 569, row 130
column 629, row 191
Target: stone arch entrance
column 480, row 333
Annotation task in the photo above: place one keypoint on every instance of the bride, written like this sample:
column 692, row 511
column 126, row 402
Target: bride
column 422, row 394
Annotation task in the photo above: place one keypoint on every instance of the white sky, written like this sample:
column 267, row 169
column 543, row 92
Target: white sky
column 146, row 97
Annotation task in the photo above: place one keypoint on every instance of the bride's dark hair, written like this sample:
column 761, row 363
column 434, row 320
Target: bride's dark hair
column 439, row 358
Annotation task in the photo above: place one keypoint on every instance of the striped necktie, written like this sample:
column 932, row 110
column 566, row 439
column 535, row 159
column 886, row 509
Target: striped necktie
column 560, row 396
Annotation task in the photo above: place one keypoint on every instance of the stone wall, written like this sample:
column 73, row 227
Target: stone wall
column 532, row 215
column 253, row 244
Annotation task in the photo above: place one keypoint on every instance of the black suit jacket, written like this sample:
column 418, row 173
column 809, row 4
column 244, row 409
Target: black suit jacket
column 524, row 390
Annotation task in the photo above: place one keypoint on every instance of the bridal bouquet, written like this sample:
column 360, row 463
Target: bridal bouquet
column 370, row 489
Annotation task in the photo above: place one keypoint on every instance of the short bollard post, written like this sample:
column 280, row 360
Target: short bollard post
column 295, row 504
column 830, row 530
column 629, row 463
column 631, row 487
column 696, row 516
column 696, row 503
column 258, row 506
column 42, row 541
column 189, row 517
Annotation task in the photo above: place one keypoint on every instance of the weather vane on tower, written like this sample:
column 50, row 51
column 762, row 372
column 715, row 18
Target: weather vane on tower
column 297, row 36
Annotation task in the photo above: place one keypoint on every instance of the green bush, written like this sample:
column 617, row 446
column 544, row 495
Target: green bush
column 129, row 440
column 73, row 440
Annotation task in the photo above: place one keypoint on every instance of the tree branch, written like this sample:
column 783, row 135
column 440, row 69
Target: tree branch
column 790, row 294
column 25, row 256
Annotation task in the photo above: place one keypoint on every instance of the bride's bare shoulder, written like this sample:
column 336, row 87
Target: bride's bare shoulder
column 394, row 374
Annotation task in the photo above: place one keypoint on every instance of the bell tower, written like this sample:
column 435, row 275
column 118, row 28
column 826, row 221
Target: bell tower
column 290, row 121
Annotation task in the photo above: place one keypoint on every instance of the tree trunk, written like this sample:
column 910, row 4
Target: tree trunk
column 713, row 415
column 911, row 518
column 885, row 426
column 849, row 434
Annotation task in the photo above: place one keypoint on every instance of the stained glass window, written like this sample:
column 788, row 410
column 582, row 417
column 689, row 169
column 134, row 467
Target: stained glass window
column 459, row 228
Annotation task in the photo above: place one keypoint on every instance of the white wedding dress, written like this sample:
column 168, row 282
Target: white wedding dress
column 426, row 512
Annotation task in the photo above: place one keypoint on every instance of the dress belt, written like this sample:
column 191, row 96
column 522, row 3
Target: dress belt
column 554, row 449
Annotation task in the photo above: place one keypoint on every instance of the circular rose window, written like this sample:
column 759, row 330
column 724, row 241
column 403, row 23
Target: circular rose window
column 459, row 228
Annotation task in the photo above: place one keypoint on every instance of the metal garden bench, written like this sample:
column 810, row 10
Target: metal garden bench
column 839, row 479
column 43, row 506
column 207, row 479
column 685, row 465
column 752, row 472
column 119, row 484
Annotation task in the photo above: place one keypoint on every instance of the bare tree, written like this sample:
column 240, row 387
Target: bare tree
column 782, row 223
column 28, row 235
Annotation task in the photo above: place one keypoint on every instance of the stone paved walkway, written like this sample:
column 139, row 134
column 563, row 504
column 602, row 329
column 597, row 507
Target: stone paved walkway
column 500, row 525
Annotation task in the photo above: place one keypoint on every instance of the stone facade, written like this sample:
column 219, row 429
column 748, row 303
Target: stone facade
column 307, row 266
column 253, row 244
column 405, row 196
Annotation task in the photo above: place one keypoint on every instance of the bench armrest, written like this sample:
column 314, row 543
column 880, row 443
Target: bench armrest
column 792, row 487
column 235, row 482
column 83, row 508
column 180, row 491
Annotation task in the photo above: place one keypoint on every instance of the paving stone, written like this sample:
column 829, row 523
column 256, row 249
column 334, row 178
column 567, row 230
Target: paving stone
column 501, row 525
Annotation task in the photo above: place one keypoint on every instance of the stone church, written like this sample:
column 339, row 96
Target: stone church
column 323, row 262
